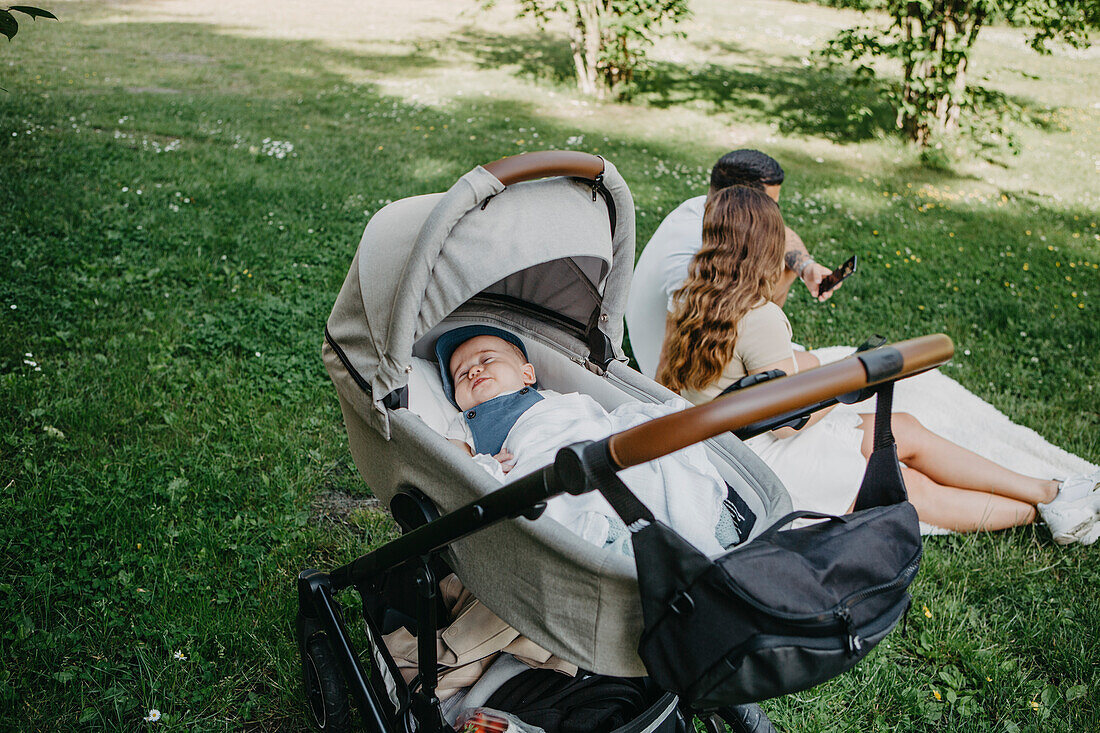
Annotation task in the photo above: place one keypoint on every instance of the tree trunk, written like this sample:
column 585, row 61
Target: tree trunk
column 938, row 39
column 585, row 42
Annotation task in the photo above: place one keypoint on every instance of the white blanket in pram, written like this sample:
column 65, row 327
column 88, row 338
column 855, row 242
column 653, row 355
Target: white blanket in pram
column 682, row 489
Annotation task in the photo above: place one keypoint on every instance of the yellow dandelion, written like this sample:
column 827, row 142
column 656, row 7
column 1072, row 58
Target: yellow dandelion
column 936, row 694
column 1034, row 704
column 1079, row 305
column 874, row 231
column 951, row 234
column 920, row 307
column 887, row 265
column 988, row 679
column 1073, row 294
column 1027, row 266
column 927, row 612
column 1050, row 247
column 1027, row 232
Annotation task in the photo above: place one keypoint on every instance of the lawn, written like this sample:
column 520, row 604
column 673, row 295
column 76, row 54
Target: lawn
column 182, row 187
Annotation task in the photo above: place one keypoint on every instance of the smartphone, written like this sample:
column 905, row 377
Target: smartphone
column 834, row 278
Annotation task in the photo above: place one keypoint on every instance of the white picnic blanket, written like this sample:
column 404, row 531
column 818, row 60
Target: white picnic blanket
column 949, row 409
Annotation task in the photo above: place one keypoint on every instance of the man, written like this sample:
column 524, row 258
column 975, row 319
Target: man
column 663, row 264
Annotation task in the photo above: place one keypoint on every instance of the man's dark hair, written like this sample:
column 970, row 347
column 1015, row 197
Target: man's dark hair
column 745, row 167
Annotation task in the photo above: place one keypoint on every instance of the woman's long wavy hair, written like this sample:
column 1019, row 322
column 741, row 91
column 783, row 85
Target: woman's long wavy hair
column 739, row 265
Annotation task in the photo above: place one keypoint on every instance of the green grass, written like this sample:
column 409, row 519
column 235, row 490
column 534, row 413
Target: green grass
column 170, row 277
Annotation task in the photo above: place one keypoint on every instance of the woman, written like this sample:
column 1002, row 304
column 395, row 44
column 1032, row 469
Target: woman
column 723, row 325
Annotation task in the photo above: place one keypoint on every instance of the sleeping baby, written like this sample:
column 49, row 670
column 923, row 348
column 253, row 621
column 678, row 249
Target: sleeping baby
column 508, row 424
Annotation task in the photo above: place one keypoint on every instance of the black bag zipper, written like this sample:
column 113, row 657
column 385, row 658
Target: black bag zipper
column 853, row 641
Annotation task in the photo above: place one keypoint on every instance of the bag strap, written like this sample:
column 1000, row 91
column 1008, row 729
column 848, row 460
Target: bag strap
column 601, row 475
column 788, row 518
column 882, row 484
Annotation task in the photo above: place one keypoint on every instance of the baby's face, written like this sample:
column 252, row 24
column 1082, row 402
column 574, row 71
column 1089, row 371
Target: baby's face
column 485, row 367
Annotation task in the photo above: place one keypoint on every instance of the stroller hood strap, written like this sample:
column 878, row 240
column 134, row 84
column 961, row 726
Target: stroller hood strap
column 490, row 421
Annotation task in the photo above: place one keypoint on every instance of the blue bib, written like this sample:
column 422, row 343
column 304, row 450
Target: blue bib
column 492, row 419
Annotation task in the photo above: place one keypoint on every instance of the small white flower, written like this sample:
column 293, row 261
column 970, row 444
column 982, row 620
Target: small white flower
column 14, row 306
column 179, row 656
column 153, row 716
column 257, row 353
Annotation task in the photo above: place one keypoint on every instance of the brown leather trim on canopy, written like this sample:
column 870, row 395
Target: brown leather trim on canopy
column 544, row 164
column 668, row 434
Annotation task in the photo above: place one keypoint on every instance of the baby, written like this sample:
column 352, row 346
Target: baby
column 508, row 424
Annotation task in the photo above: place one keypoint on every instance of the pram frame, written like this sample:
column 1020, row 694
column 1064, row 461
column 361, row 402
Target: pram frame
column 576, row 470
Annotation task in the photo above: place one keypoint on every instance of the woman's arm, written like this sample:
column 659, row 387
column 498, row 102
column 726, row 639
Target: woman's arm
column 791, row 366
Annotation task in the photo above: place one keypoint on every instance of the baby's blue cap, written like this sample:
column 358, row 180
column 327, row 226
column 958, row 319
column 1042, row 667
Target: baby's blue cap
column 446, row 344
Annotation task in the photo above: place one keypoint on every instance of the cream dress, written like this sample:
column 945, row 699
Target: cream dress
column 821, row 465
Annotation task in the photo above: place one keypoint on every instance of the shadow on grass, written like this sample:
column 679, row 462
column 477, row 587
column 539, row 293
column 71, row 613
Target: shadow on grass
column 800, row 97
column 536, row 56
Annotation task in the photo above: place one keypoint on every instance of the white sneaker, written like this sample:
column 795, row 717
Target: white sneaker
column 1079, row 487
column 1092, row 536
column 1073, row 514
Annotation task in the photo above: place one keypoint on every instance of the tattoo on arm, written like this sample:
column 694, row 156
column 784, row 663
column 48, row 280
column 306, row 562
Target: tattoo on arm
column 794, row 259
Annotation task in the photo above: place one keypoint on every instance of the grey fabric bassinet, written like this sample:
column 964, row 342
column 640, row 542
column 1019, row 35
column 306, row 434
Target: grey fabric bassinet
column 551, row 261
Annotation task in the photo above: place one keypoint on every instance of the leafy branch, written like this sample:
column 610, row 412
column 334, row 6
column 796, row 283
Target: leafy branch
column 9, row 26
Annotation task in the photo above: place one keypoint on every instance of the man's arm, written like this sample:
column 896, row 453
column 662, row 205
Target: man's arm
column 800, row 265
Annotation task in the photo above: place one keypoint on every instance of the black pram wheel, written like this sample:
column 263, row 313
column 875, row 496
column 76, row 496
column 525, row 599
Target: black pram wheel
column 326, row 691
column 748, row 718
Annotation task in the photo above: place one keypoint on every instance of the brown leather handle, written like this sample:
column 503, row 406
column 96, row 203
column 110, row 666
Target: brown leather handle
column 545, row 163
column 668, row 434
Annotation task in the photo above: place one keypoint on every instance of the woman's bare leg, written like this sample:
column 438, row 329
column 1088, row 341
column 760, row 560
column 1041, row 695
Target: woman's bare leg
column 951, row 465
column 961, row 510
column 805, row 360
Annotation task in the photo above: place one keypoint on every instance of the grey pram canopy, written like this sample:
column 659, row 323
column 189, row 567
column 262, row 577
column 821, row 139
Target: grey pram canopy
column 550, row 260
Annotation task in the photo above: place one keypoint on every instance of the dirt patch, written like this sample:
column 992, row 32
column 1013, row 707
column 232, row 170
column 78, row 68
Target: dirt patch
column 336, row 507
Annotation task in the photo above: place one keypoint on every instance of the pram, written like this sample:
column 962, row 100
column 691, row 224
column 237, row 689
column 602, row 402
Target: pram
column 541, row 244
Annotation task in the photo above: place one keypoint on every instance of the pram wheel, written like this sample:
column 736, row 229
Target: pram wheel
column 326, row 691
column 748, row 718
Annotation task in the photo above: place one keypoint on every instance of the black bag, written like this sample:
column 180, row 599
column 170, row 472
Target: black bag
column 781, row 613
